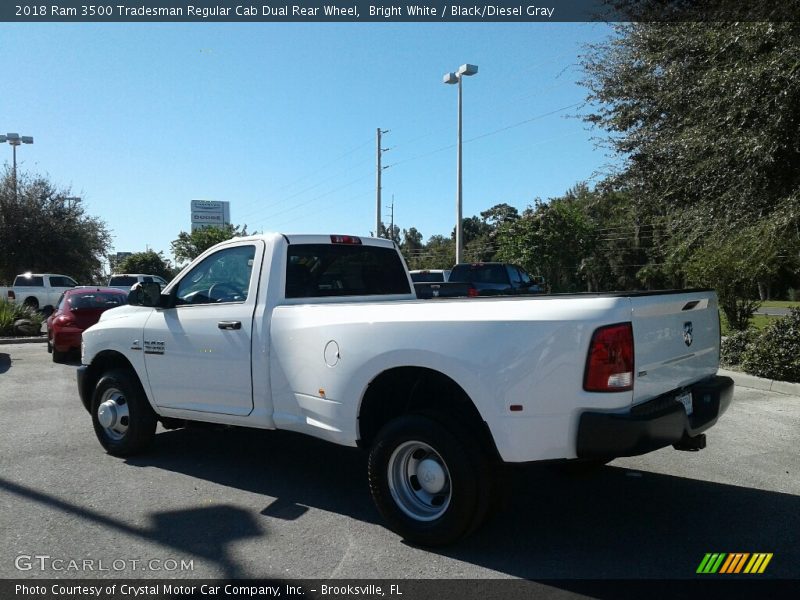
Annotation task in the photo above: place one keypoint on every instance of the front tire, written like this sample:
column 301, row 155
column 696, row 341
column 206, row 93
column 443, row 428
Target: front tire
column 123, row 420
column 427, row 481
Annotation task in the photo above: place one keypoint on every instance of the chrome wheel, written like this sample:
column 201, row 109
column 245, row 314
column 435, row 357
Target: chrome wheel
column 419, row 481
column 112, row 414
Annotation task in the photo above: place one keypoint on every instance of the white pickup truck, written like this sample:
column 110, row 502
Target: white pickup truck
column 38, row 290
column 324, row 335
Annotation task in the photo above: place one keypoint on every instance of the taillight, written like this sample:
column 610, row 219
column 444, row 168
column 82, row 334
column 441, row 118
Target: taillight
column 11, row 295
column 472, row 292
column 64, row 320
column 345, row 239
column 609, row 366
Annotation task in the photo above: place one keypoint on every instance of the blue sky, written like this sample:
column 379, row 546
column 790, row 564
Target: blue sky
column 279, row 119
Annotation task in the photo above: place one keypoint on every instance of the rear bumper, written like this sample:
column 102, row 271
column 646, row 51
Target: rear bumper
column 654, row 424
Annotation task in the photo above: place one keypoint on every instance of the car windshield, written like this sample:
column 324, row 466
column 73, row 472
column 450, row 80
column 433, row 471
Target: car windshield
column 104, row 300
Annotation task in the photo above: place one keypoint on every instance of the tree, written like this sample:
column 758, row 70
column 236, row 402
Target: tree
column 500, row 214
column 189, row 246
column 705, row 117
column 551, row 239
column 41, row 230
column 149, row 262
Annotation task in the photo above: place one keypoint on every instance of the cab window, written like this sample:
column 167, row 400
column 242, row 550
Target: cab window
column 222, row 277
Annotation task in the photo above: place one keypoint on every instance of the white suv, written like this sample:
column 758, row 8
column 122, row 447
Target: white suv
column 124, row 281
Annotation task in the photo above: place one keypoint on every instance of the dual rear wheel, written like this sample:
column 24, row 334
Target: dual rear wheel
column 430, row 481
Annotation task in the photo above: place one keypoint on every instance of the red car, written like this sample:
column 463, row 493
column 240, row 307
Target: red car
column 77, row 310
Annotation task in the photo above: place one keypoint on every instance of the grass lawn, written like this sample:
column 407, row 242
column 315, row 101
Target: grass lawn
column 757, row 321
column 780, row 304
column 760, row 321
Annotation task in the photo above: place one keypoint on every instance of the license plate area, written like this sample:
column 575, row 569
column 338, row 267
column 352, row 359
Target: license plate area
column 685, row 398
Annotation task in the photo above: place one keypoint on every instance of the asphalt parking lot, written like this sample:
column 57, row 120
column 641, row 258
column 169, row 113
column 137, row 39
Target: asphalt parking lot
column 238, row 503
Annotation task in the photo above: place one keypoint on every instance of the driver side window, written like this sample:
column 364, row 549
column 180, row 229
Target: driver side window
column 222, row 277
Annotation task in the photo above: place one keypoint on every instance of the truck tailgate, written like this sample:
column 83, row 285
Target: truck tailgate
column 676, row 341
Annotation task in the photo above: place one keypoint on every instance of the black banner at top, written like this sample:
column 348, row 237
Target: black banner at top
column 355, row 11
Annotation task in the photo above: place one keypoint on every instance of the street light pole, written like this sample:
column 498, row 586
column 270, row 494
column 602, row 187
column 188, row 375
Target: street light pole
column 15, row 139
column 455, row 78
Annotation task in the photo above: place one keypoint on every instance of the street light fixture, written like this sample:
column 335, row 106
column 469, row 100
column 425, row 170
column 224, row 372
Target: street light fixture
column 15, row 140
column 455, row 78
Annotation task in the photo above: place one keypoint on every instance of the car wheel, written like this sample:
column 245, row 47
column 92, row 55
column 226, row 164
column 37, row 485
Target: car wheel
column 430, row 485
column 58, row 357
column 122, row 417
column 31, row 303
column 49, row 346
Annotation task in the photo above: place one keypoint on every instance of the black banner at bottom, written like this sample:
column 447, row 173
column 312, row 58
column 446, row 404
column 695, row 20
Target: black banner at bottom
column 399, row 589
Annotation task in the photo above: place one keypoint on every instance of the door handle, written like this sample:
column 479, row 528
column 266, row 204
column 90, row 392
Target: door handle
column 229, row 324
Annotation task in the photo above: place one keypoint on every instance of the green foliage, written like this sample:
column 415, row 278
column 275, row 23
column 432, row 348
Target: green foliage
column 12, row 311
column 775, row 354
column 705, row 118
column 149, row 262
column 190, row 245
column 735, row 344
column 706, row 113
column 550, row 239
column 42, row 231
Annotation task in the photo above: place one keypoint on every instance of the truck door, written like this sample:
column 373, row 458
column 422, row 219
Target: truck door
column 198, row 353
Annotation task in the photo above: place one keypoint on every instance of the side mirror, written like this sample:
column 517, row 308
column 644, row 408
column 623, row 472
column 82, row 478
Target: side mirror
column 145, row 294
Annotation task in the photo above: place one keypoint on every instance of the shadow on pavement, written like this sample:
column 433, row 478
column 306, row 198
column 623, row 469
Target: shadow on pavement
column 203, row 532
column 5, row 362
column 612, row 524
column 562, row 530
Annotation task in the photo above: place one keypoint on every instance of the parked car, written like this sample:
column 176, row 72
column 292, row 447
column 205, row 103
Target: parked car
column 78, row 309
column 491, row 278
column 124, row 281
column 38, row 290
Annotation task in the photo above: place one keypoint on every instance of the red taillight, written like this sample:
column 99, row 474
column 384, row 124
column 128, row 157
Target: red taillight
column 345, row 239
column 472, row 292
column 64, row 320
column 609, row 366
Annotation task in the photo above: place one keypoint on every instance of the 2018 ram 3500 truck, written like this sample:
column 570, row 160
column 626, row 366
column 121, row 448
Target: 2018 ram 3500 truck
column 324, row 335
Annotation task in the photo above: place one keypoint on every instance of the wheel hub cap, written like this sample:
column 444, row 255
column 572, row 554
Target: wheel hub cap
column 431, row 476
column 107, row 413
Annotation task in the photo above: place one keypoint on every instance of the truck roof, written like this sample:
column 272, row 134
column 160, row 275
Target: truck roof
column 318, row 238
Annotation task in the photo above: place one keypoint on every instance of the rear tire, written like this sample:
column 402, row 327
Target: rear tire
column 31, row 303
column 123, row 419
column 58, row 357
column 431, row 485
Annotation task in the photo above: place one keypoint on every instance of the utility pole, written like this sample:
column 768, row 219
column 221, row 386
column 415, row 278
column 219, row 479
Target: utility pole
column 379, row 151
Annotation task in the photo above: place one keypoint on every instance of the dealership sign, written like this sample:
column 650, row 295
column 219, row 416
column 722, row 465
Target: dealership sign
column 210, row 213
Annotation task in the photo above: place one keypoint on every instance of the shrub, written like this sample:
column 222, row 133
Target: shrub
column 775, row 354
column 735, row 344
column 11, row 311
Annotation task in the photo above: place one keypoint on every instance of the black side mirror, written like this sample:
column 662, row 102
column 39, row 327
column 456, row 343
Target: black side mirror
column 145, row 294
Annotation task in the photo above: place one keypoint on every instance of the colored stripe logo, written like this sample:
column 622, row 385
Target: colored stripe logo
column 734, row 563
